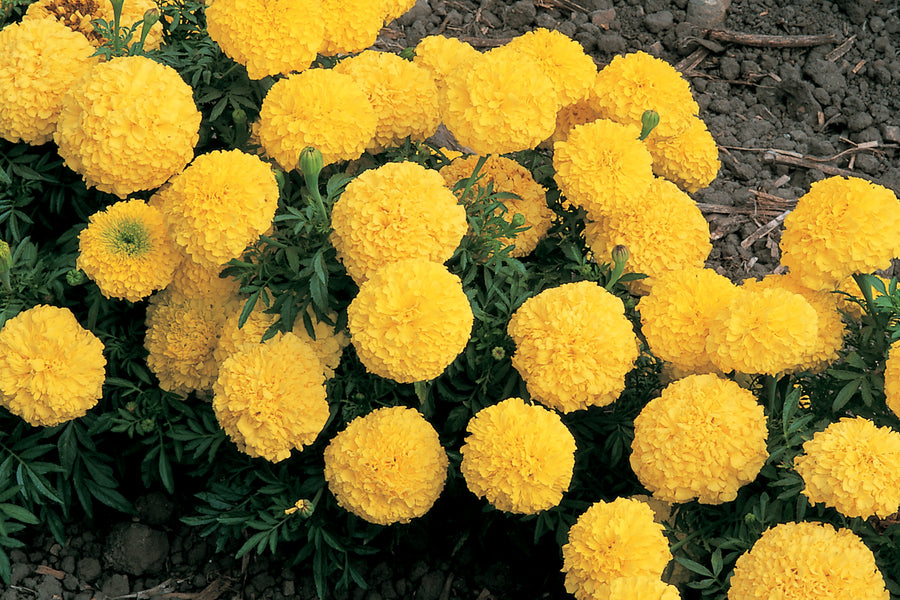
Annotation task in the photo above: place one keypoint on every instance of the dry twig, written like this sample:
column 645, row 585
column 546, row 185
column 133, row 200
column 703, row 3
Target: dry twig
column 773, row 41
column 765, row 229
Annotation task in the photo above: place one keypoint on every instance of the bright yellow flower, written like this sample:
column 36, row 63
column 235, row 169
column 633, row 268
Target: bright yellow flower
column 518, row 456
column 350, row 25
column 800, row 561
column 397, row 8
column 892, row 379
column 386, row 467
column 690, row 159
column 51, row 369
column 442, row 55
column 78, row 14
column 639, row 588
column 328, row 344
column 574, row 346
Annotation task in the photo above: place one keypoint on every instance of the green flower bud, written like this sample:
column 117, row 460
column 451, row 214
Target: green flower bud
column 146, row 426
column 498, row 353
column 5, row 257
column 649, row 120
column 75, row 277
column 620, row 254
column 518, row 220
column 311, row 162
column 306, row 508
column 131, row 406
column 408, row 53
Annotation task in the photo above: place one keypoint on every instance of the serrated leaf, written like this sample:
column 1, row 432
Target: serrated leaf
column 14, row 511
column 110, row 497
column 844, row 395
column 165, row 472
column 248, row 307
column 43, row 487
column 251, row 542
column 694, row 567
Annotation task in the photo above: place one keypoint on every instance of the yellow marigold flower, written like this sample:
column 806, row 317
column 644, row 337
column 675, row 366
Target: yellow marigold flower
column 574, row 346
column 270, row 397
column 267, row 36
column 319, row 108
column 51, row 369
column 233, row 337
column 570, row 116
column 497, row 105
column 127, row 251
column 328, row 344
column 853, row 466
column 78, row 15
column 663, row 230
column 766, row 331
column 602, row 166
column 350, row 25
column 39, row 61
column 506, row 175
column 799, row 561
column 518, row 456
column 386, row 467
column 676, row 314
column 639, row 588
column 397, row 211
column 128, row 126
column 703, row 439
column 892, row 379
column 637, row 82
column 612, row 540
column 442, row 55
column 397, row 8
column 221, row 203
column 841, row 226
column 410, row 320
column 403, row 94
column 690, row 159
column 182, row 334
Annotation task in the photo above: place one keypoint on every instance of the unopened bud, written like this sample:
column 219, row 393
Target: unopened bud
column 649, row 120
column 498, row 353
column 620, row 254
column 75, row 277
column 131, row 406
column 311, row 161
column 518, row 220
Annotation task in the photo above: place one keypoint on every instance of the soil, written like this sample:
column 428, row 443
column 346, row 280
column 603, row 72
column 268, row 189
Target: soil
column 783, row 118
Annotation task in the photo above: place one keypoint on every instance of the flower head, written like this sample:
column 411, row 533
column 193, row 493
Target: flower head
column 270, row 397
column 518, row 456
column 703, row 439
column 574, row 346
column 395, row 212
column 350, row 25
column 690, row 159
column 612, row 540
column 841, row 226
column 78, row 15
column 441, row 55
column 128, row 126
column 798, row 561
column 410, row 320
column 892, row 379
column 51, row 369
column 386, row 467
column 397, row 8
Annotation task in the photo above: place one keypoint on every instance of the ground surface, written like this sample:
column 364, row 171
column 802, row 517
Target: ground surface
column 783, row 117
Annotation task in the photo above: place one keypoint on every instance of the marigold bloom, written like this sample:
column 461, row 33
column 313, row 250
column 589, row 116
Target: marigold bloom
column 663, row 230
column 403, row 94
column 442, row 55
column 506, row 175
column 128, row 126
column 350, row 25
column 39, row 61
column 892, row 379
column 320, row 108
column 675, row 316
column 221, row 203
column 798, row 561
column 127, row 251
column 386, row 467
column 841, row 226
column 602, row 166
column 612, row 540
column 395, row 212
column 853, row 466
column 51, row 369
column 267, row 36
column 703, row 439
column 270, row 397
column 574, row 346
column 78, row 15
column 496, row 105
column 410, row 320
column 518, row 456
column 328, row 344
column 637, row 82
column 397, row 8
column 690, row 159
column 762, row 331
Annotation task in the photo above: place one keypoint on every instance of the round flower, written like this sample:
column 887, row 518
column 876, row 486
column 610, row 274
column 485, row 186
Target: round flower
column 830, row 234
column 267, row 36
column 128, row 126
column 397, row 8
column 853, row 466
column 703, row 439
column 506, row 175
column 892, row 379
column 442, row 55
column 798, row 561
column 766, row 331
column 327, row 343
column 51, row 369
column 663, row 230
column 676, row 314
column 638, row 82
column 690, row 159
column 410, row 320
column 78, row 16
column 574, row 346
column 612, row 540
column 518, row 456
column 403, row 94
column 319, row 108
column 395, row 212
column 270, row 397
column 602, row 166
column 497, row 105
column 221, row 203
column 570, row 116
column 386, row 467
column 350, row 25
column 39, row 61
column 127, row 251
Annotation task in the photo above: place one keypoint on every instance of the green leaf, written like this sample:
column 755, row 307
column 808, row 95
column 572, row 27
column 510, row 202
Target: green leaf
column 165, row 472
column 844, row 395
column 248, row 307
column 68, row 447
column 14, row 511
column 694, row 567
column 250, row 543
column 42, row 486
column 5, row 573
column 110, row 497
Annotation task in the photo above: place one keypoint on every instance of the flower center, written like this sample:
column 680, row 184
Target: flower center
column 130, row 238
